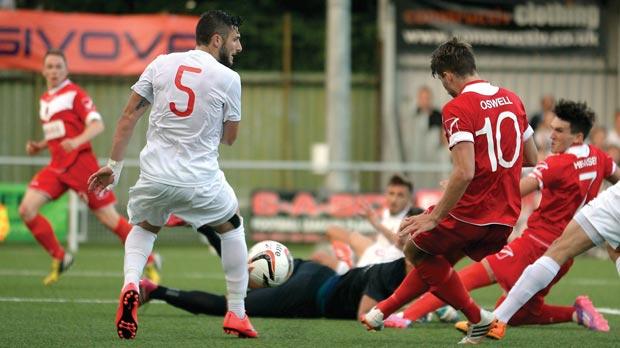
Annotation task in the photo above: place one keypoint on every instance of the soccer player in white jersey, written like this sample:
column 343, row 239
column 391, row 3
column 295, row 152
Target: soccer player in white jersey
column 196, row 105
column 597, row 223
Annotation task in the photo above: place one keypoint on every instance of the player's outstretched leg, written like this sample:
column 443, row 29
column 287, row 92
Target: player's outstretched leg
column 58, row 267
column 127, row 312
column 588, row 316
column 241, row 327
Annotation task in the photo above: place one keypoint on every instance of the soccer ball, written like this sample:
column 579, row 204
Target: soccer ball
column 270, row 263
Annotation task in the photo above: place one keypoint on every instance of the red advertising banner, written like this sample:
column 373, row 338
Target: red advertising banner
column 93, row 43
column 304, row 216
column 301, row 216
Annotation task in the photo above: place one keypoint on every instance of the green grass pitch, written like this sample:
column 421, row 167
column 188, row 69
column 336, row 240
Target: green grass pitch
column 79, row 310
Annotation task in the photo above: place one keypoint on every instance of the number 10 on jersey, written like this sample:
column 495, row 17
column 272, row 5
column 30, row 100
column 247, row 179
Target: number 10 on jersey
column 496, row 157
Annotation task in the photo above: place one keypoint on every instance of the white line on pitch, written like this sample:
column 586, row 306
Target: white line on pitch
column 63, row 300
column 612, row 311
column 211, row 275
column 97, row 274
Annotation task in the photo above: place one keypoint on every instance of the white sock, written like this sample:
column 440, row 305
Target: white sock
column 342, row 268
column 235, row 265
column 534, row 278
column 618, row 265
column 138, row 247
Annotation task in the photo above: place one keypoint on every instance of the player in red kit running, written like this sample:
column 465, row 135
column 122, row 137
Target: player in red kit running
column 490, row 139
column 70, row 121
column 567, row 180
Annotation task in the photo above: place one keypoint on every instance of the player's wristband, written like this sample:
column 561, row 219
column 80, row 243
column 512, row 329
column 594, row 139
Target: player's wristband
column 117, row 167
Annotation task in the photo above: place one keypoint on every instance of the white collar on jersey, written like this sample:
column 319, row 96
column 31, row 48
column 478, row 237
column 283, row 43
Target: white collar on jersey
column 481, row 87
column 59, row 87
column 582, row 150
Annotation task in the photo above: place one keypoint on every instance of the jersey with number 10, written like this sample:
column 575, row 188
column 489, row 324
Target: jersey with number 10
column 494, row 120
column 192, row 95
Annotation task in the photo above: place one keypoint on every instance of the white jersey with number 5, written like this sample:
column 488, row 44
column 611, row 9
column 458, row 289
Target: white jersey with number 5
column 192, row 95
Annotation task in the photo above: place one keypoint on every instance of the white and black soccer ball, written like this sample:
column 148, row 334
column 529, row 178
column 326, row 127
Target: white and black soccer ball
column 270, row 263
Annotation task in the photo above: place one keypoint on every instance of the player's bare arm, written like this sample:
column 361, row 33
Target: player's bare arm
column 108, row 175
column 528, row 185
column 33, row 147
column 93, row 128
column 613, row 178
column 463, row 159
column 373, row 219
column 135, row 108
column 530, row 153
column 229, row 135
column 366, row 303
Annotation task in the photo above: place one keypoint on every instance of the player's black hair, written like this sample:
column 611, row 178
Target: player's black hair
column 454, row 56
column 397, row 180
column 55, row 52
column 215, row 22
column 578, row 114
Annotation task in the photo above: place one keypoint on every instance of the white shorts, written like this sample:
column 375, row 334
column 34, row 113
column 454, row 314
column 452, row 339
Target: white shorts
column 600, row 218
column 378, row 253
column 154, row 202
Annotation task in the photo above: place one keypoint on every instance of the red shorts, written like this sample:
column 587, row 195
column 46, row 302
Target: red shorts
column 509, row 263
column 54, row 183
column 453, row 236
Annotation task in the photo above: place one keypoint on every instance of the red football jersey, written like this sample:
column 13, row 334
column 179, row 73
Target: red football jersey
column 567, row 181
column 64, row 112
column 494, row 119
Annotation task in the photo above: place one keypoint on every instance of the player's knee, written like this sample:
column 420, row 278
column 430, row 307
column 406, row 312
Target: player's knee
column 232, row 224
column 27, row 212
column 413, row 253
column 235, row 221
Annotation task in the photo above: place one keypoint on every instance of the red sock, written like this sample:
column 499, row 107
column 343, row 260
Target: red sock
column 122, row 229
column 44, row 234
column 445, row 283
column 411, row 287
column 546, row 315
column 473, row 277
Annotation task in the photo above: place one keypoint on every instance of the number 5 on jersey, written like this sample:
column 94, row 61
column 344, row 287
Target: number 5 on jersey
column 191, row 96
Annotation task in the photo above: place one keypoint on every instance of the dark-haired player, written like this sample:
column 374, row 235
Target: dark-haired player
column 489, row 137
column 196, row 100
column 70, row 121
column 568, row 179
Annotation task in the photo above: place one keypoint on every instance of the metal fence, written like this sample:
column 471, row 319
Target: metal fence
column 283, row 116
